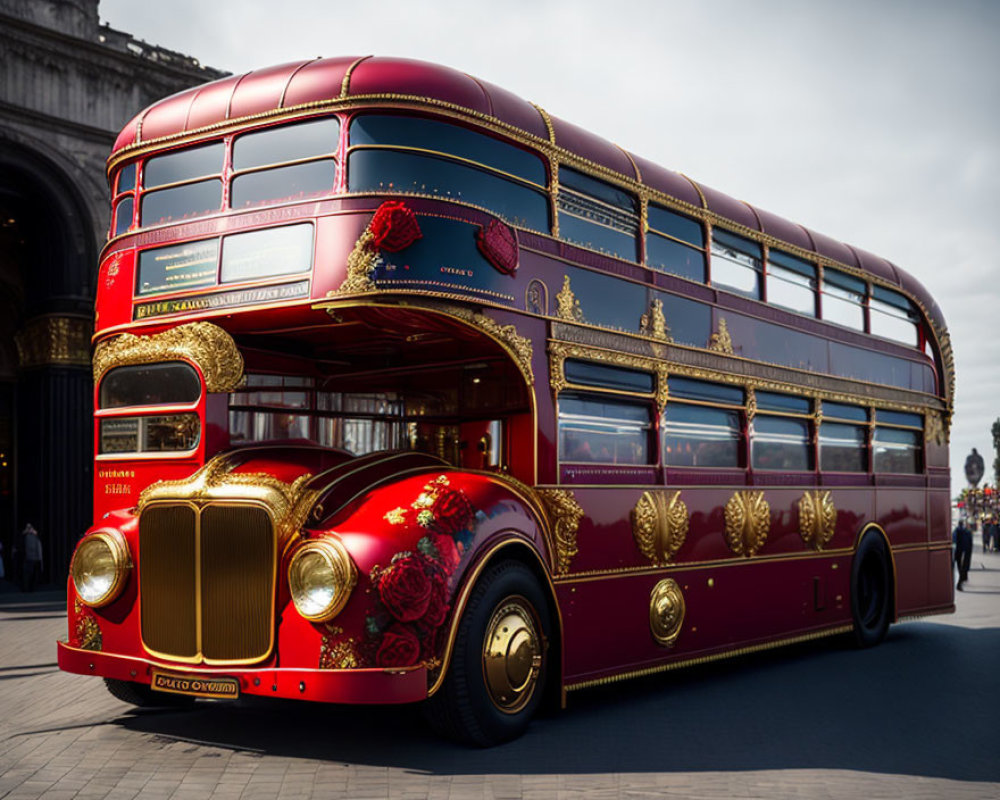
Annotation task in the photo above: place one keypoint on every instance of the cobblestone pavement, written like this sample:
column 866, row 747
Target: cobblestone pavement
column 917, row 717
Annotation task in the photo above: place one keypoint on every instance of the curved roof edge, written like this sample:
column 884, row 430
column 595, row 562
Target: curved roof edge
column 315, row 83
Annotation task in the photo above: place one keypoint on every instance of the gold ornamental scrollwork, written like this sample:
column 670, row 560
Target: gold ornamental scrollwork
column 660, row 525
column 748, row 522
column 654, row 323
column 721, row 341
column 86, row 632
column 564, row 515
column 666, row 612
column 518, row 346
column 817, row 518
column 289, row 503
column 934, row 428
column 567, row 306
column 361, row 265
column 203, row 343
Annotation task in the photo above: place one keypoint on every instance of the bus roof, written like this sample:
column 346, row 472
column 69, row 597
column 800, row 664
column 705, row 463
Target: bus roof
column 325, row 81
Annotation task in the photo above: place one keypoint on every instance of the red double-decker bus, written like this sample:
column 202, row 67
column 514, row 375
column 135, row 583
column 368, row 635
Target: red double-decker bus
column 407, row 391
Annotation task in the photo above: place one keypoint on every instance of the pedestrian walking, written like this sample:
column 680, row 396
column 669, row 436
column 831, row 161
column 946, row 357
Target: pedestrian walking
column 963, row 551
column 31, row 544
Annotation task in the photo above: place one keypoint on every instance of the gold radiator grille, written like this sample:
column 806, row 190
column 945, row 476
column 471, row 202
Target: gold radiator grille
column 206, row 578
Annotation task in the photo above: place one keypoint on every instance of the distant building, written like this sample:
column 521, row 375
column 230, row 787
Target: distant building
column 67, row 86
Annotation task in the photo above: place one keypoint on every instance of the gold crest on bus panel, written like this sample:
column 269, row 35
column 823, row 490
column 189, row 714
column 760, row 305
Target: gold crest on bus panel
column 817, row 518
column 666, row 612
column 660, row 525
column 748, row 522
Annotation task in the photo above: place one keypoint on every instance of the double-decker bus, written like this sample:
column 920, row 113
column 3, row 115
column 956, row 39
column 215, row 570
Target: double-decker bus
column 407, row 391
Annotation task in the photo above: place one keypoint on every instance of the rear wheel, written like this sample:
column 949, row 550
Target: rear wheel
column 140, row 695
column 497, row 674
column 871, row 591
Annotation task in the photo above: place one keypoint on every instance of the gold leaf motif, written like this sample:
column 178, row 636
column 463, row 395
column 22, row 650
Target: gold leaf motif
column 817, row 518
column 721, row 341
column 342, row 654
column 202, row 343
column 396, row 517
column 567, row 306
column 934, row 428
column 88, row 634
column 751, row 403
column 666, row 612
column 564, row 515
column 660, row 525
column 361, row 265
column 748, row 522
column 654, row 324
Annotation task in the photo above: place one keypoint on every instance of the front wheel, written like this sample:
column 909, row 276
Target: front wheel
column 499, row 663
column 871, row 591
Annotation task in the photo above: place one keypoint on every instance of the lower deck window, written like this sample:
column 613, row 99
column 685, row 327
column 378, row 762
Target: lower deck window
column 779, row 443
column 697, row 436
column 165, row 433
column 842, row 448
column 603, row 430
column 896, row 451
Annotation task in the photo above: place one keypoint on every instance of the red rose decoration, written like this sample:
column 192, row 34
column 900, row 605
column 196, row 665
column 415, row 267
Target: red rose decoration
column 394, row 227
column 405, row 588
column 437, row 608
column 451, row 512
column 498, row 243
column 448, row 553
column 400, row 647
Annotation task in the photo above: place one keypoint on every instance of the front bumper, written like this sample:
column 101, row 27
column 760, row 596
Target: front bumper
column 357, row 686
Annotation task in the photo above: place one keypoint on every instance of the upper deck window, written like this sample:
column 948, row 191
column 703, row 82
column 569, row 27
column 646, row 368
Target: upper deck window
column 124, row 200
column 675, row 244
column 791, row 283
column 843, row 299
column 736, row 263
column 893, row 316
column 191, row 184
column 597, row 215
column 285, row 164
column 413, row 155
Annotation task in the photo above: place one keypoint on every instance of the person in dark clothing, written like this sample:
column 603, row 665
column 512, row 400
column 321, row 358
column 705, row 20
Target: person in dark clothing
column 32, row 546
column 963, row 552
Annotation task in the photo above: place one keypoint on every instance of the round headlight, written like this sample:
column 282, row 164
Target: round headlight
column 100, row 565
column 320, row 577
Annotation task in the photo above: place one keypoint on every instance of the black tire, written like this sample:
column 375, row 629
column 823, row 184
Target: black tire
column 478, row 703
column 871, row 591
column 140, row 695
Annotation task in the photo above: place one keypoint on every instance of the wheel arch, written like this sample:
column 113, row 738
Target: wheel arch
column 511, row 547
column 878, row 530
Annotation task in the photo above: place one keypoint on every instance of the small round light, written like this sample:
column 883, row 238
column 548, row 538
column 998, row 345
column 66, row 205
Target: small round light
column 99, row 568
column 321, row 576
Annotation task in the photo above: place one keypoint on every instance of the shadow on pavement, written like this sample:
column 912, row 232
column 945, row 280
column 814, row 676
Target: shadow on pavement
column 924, row 703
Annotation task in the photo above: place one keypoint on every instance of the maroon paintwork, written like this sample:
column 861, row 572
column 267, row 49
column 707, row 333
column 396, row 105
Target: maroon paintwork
column 298, row 83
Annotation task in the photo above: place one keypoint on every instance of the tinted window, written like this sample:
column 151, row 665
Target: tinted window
column 123, row 216
column 899, row 418
column 676, row 225
column 691, row 389
column 180, row 202
column 441, row 137
column 735, row 263
column 283, row 184
column 896, row 450
column 841, row 411
column 126, row 178
column 180, row 266
column 287, row 143
column 603, row 430
column 150, row 385
column 263, row 254
column 674, row 257
column 607, row 193
column 771, row 401
column 410, row 173
column 779, row 443
column 842, row 448
column 183, row 165
column 597, row 215
column 696, row 436
column 591, row 374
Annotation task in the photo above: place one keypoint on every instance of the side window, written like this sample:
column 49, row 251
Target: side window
column 124, row 200
column 413, row 155
column 791, row 283
column 597, row 215
column 893, row 317
column 736, row 263
column 701, row 425
column 779, row 440
column 675, row 244
column 897, row 445
column 843, row 438
column 843, row 299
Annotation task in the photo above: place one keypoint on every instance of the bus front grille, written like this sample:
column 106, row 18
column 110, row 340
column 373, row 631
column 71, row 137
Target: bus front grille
column 206, row 581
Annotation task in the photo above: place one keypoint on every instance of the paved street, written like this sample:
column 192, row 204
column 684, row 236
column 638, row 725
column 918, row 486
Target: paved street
column 918, row 717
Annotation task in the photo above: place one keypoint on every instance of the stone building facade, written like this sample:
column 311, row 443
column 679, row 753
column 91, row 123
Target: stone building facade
column 67, row 86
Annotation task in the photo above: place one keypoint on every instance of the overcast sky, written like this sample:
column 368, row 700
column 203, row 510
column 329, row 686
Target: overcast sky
column 877, row 123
